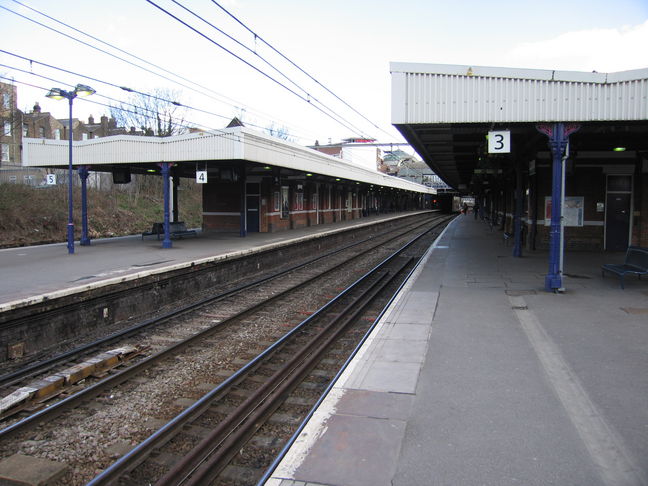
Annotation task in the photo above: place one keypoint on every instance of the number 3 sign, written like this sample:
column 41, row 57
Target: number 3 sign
column 499, row 142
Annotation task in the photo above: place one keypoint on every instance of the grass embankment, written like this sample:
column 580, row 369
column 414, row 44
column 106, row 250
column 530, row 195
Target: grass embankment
column 32, row 216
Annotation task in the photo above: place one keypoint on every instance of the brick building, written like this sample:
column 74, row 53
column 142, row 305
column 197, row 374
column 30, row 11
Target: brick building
column 10, row 132
column 14, row 125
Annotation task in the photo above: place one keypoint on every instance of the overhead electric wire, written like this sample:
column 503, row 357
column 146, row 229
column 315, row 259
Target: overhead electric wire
column 257, row 36
column 331, row 114
column 129, row 90
column 268, row 63
column 277, row 147
column 124, row 60
column 206, row 37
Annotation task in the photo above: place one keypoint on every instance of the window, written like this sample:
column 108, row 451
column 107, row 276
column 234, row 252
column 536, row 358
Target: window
column 277, row 201
column 25, row 130
column 57, row 134
column 84, row 136
column 299, row 201
column 7, row 128
column 6, row 101
column 41, row 132
column 4, row 152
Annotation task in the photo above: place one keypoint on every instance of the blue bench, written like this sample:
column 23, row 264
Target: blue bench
column 636, row 262
column 177, row 229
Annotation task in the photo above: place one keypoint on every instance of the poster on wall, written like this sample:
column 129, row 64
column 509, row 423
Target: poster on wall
column 573, row 212
column 284, row 202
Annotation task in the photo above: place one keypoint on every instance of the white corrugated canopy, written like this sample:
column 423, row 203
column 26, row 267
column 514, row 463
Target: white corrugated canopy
column 440, row 93
column 237, row 143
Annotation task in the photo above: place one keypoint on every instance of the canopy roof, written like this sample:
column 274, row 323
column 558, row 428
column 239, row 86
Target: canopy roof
column 445, row 111
column 203, row 150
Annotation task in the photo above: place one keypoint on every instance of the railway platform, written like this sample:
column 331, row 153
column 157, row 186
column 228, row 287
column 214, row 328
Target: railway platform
column 477, row 376
column 35, row 273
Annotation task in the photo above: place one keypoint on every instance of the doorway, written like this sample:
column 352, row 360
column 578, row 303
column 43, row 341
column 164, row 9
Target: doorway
column 618, row 209
column 252, row 207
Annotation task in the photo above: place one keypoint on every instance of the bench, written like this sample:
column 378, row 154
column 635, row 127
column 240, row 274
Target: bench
column 177, row 229
column 636, row 262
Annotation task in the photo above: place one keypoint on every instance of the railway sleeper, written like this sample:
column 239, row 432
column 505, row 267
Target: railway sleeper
column 31, row 396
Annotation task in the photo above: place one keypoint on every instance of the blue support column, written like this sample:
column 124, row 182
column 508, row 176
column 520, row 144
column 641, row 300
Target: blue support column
column 517, row 215
column 83, row 174
column 166, row 173
column 70, row 224
column 558, row 137
column 243, row 226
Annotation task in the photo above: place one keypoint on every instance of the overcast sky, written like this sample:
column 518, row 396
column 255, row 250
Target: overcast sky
column 345, row 45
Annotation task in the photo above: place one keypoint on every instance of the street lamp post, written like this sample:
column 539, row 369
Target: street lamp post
column 59, row 94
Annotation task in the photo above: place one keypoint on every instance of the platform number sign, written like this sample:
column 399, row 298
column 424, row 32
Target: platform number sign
column 50, row 179
column 499, row 142
column 201, row 177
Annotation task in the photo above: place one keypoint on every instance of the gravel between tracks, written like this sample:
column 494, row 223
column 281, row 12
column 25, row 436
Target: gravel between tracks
column 90, row 438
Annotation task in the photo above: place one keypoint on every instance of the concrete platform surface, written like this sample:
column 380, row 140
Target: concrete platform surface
column 477, row 376
column 32, row 273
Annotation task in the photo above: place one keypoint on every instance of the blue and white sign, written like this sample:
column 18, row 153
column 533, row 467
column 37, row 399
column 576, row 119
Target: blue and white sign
column 499, row 142
column 201, row 177
column 50, row 179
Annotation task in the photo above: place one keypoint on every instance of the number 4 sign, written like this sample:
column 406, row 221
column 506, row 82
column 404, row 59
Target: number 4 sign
column 201, row 177
column 499, row 142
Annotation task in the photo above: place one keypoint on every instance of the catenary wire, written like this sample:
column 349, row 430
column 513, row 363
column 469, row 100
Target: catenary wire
column 206, row 37
column 277, row 145
column 345, row 124
column 256, row 36
column 222, row 98
column 129, row 90
column 309, row 95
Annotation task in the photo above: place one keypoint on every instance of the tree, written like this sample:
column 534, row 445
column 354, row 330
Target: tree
column 158, row 113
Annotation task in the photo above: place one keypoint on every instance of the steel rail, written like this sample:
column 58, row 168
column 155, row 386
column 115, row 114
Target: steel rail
column 128, row 373
column 275, row 463
column 138, row 454
column 205, row 461
column 44, row 366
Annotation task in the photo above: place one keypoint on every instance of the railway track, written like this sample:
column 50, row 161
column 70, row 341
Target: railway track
column 32, row 387
column 204, row 326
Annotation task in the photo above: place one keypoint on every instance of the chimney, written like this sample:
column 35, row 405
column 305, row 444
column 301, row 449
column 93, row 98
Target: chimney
column 37, row 108
column 104, row 121
column 90, row 120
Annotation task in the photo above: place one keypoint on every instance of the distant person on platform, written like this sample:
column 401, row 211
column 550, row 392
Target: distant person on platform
column 476, row 209
column 464, row 210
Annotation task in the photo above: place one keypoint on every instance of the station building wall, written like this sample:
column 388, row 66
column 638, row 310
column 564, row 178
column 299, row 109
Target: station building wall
column 597, row 185
column 293, row 204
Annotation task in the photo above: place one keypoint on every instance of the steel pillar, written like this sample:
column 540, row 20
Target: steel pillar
column 83, row 174
column 176, row 207
column 558, row 135
column 517, row 215
column 70, row 223
column 166, row 172
column 243, row 218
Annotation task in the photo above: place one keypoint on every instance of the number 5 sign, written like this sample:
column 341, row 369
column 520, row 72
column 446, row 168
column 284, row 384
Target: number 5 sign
column 499, row 142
